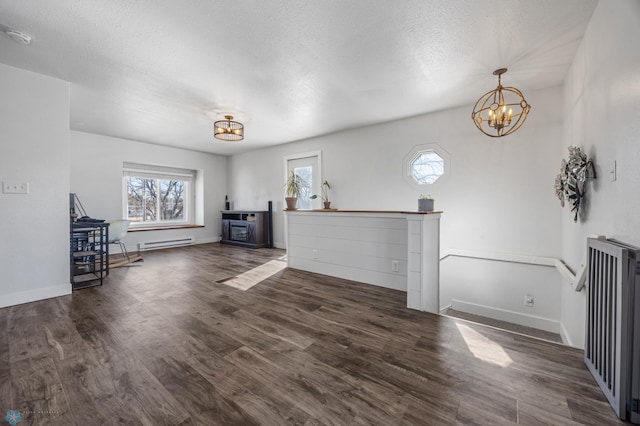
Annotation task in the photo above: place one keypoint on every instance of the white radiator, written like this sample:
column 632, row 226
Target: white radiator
column 176, row 242
column 612, row 344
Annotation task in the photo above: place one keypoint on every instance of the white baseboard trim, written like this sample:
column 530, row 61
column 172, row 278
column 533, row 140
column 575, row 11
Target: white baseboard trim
column 509, row 316
column 365, row 276
column 27, row 296
column 208, row 240
column 444, row 309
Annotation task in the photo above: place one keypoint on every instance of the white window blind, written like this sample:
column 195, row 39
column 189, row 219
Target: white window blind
column 157, row 172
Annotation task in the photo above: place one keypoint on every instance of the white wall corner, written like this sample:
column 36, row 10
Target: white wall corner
column 443, row 309
column 566, row 337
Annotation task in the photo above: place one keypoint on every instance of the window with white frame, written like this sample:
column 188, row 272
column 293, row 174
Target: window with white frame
column 307, row 166
column 157, row 195
column 426, row 165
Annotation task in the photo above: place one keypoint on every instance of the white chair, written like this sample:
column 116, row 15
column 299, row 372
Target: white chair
column 117, row 230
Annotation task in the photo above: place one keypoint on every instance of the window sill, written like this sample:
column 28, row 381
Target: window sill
column 162, row 227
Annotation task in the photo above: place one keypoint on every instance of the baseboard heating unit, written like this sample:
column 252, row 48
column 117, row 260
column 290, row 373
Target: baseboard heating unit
column 176, row 242
column 612, row 343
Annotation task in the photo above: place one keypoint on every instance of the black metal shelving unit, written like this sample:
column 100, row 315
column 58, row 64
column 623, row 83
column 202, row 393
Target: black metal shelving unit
column 89, row 253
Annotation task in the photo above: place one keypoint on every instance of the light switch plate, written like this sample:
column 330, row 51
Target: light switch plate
column 14, row 187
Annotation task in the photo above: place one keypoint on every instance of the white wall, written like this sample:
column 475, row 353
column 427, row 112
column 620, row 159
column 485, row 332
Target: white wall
column 34, row 130
column 498, row 196
column 497, row 289
column 602, row 115
column 96, row 177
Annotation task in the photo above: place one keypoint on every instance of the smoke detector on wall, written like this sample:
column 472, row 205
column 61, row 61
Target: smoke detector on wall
column 18, row 36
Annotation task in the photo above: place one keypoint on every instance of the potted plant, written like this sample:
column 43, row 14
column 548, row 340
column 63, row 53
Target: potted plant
column 292, row 190
column 425, row 203
column 325, row 187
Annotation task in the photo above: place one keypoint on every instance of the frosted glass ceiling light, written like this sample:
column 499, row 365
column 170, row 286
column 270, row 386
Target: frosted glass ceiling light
column 228, row 130
column 501, row 111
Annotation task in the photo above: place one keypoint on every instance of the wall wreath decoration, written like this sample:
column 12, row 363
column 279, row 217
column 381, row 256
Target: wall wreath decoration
column 570, row 182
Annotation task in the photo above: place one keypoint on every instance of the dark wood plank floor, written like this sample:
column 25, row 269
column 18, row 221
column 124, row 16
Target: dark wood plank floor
column 164, row 342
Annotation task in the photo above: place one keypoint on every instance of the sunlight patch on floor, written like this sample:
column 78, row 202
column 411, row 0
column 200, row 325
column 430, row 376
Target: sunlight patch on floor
column 253, row 276
column 483, row 348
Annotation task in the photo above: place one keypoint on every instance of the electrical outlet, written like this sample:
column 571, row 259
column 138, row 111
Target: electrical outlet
column 12, row 187
column 395, row 266
column 528, row 300
column 316, row 255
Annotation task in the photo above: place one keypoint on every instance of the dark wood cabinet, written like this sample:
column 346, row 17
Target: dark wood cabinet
column 245, row 228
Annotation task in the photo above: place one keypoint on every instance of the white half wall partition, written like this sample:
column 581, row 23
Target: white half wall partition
column 423, row 275
column 392, row 249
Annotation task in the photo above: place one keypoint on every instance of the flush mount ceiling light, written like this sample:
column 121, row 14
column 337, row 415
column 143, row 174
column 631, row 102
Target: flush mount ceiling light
column 18, row 36
column 501, row 111
column 228, row 130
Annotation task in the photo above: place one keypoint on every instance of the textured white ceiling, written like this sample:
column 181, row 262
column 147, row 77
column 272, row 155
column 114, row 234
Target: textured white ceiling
column 162, row 71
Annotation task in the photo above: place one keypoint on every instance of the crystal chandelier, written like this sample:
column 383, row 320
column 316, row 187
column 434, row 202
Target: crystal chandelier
column 501, row 111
